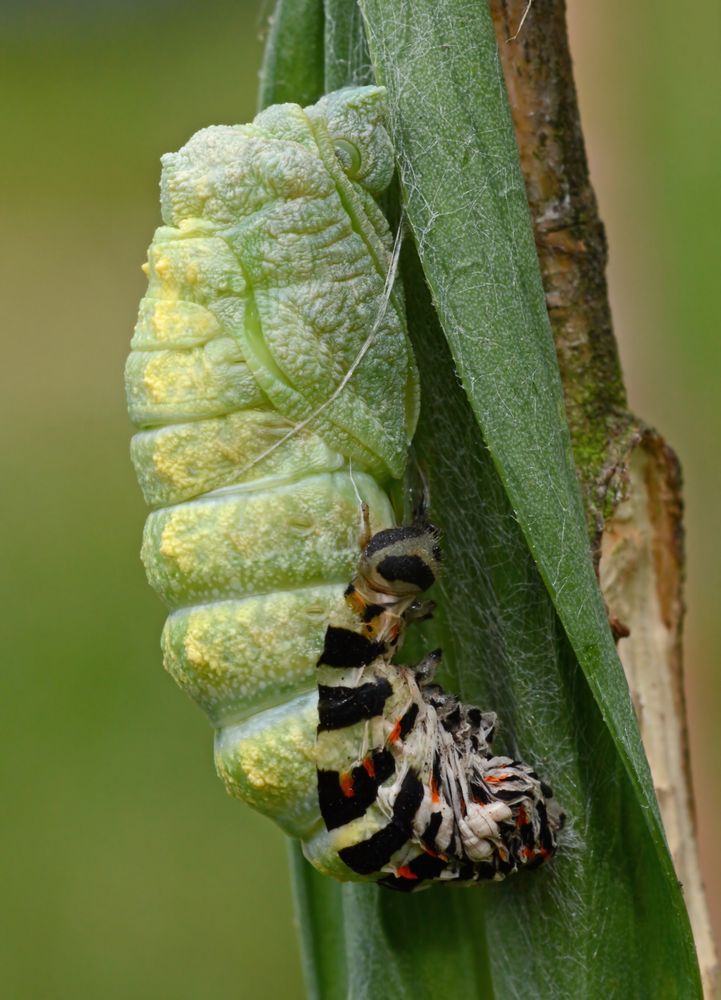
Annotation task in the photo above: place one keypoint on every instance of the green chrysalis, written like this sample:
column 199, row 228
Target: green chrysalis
column 274, row 389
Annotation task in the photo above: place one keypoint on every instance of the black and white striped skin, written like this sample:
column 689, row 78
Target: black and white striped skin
column 409, row 789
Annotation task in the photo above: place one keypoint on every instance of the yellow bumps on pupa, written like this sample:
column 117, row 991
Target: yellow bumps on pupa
column 254, row 541
column 268, row 761
column 235, row 658
column 186, row 460
column 267, row 287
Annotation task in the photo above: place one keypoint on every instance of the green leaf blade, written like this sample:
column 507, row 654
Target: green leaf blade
column 415, row 947
column 293, row 67
column 464, row 197
column 571, row 928
column 321, row 928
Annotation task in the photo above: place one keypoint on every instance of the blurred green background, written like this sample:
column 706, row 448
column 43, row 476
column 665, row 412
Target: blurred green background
column 126, row 871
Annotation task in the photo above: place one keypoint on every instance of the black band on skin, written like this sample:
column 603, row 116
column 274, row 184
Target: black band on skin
column 424, row 867
column 427, row 866
column 407, row 801
column 336, row 807
column 371, row 611
column 428, row 836
column 408, row 720
column 370, row 855
column 407, row 569
column 341, row 706
column 345, row 648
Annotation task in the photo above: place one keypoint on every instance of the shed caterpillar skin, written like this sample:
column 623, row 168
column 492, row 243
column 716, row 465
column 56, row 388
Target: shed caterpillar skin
column 409, row 789
column 264, row 284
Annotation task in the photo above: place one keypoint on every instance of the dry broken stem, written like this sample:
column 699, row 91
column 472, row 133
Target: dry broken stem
column 630, row 478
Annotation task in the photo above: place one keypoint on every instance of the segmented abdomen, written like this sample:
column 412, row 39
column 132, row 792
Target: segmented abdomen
column 266, row 291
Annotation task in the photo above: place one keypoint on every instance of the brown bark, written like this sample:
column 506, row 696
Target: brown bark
column 629, row 476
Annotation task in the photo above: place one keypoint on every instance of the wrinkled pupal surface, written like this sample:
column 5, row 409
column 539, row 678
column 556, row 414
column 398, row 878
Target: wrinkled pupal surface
column 263, row 287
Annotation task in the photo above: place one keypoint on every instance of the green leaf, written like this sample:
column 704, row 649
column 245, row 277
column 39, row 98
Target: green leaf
column 360, row 942
column 464, row 197
column 293, row 60
column 319, row 908
column 522, row 622
column 592, row 921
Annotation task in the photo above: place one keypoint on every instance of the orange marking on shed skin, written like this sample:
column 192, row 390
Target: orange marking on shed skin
column 434, row 854
column 405, row 872
column 494, row 779
column 530, row 855
column 395, row 732
column 346, row 785
column 369, row 767
column 522, row 817
column 435, row 794
column 356, row 601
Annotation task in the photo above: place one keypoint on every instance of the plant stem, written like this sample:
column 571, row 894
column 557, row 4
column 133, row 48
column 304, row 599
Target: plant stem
column 630, row 477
